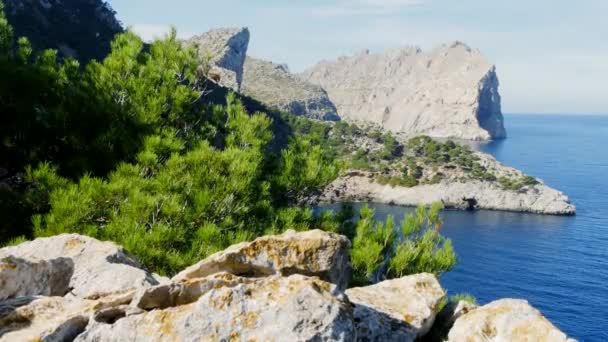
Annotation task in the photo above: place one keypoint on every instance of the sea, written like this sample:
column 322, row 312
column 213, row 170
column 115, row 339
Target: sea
column 558, row 263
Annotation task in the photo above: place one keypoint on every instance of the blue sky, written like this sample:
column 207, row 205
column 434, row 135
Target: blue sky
column 551, row 55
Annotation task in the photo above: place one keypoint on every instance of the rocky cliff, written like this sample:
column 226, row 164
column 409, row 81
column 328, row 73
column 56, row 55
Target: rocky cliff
column 275, row 86
column 451, row 91
column 227, row 49
column 287, row 287
column 82, row 29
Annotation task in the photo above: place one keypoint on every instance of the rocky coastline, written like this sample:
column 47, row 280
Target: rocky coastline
column 293, row 286
column 472, row 195
column 454, row 192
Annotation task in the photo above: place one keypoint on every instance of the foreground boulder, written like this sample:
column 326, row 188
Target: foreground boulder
column 286, row 287
column 294, row 308
column 273, row 85
column 42, row 319
column 505, row 320
column 396, row 310
column 312, row 253
column 446, row 317
column 451, row 91
column 33, row 277
column 99, row 267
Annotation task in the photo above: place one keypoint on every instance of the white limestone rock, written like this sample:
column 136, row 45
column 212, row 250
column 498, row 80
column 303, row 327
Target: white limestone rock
column 294, row 308
column 227, row 48
column 42, row 319
column 312, row 253
column 505, row 320
column 451, row 91
column 32, row 277
column 273, row 85
column 99, row 267
column 446, row 317
column 401, row 309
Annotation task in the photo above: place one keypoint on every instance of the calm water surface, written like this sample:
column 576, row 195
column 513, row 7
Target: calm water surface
column 559, row 264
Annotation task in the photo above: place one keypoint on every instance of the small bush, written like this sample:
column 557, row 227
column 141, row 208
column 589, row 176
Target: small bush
column 378, row 253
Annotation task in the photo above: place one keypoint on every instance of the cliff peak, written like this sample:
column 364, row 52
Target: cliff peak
column 450, row 91
column 227, row 48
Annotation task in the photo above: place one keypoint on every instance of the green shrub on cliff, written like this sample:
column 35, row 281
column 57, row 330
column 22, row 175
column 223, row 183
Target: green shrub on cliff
column 379, row 252
column 123, row 150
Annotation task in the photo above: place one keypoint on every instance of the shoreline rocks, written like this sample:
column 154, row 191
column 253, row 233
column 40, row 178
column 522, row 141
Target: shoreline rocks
column 505, row 320
column 473, row 195
column 454, row 192
column 208, row 302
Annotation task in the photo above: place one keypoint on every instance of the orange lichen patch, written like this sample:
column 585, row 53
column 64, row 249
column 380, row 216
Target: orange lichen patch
column 538, row 330
column 320, row 286
column 247, row 320
column 250, row 320
column 73, row 244
column 489, row 330
column 234, row 336
column 7, row 264
column 222, row 300
column 288, row 251
column 409, row 318
column 165, row 321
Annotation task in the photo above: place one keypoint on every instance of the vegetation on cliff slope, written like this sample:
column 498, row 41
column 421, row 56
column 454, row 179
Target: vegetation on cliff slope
column 126, row 150
column 418, row 160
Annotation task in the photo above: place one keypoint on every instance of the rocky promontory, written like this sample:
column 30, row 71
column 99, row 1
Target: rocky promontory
column 454, row 190
column 287, row 287
column 451, row 91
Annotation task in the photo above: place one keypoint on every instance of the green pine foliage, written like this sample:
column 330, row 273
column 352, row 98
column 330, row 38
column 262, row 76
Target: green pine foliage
column 176, row 205
column 380, row 253
column 466, row 297
column 304, row 167
column 126, row 150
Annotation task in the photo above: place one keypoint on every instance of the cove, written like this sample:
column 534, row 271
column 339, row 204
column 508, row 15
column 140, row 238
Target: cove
column 559, row 264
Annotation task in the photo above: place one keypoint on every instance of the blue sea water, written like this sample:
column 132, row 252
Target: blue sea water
column 559, row 264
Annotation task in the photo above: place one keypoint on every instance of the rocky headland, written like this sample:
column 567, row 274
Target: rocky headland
column 291, row 287
column 449, row 92
column 471, row 195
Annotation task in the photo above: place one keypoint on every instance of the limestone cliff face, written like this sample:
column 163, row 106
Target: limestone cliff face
column 227, row 48
column 451, row 91
column 275, row 86
column 81, row 29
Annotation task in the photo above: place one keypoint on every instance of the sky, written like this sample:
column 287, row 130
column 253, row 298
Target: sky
column 551, row 55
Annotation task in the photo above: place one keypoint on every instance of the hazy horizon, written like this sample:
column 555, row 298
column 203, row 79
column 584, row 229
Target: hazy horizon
column 549, row 55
